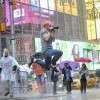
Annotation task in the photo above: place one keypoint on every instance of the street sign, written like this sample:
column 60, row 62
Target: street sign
column 2, row 1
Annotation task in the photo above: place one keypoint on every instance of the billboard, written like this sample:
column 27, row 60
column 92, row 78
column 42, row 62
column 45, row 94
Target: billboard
column 72, row 50
column 83, row 49
column 61, row 45
column 91, row 29
column 25, row 13
column 45, row 4
column 24, row 48
column 69, row 7
column 7, row 13
column 98, row 28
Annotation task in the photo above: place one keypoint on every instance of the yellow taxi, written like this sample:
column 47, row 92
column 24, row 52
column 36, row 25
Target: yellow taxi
column 91, row 80
column 76, row 81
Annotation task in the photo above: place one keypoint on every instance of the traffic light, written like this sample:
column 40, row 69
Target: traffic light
column 3, row 27
column 14, row 4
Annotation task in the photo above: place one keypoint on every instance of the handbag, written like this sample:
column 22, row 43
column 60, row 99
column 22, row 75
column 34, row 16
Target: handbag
column 69, row 81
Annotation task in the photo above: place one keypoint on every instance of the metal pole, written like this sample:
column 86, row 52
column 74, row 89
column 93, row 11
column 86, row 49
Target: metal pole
column 93, row 58
column 0, row 44
column 63, row 3
column 12, row 28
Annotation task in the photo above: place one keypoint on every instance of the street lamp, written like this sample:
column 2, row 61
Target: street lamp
column 63, row 1
column 12, row 28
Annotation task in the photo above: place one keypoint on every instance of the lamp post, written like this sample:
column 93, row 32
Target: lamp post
column 93, row 58
column 63, row 1
column 12, row 28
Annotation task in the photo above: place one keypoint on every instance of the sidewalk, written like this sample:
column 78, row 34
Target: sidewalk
column 76, row 94
column 32, row 95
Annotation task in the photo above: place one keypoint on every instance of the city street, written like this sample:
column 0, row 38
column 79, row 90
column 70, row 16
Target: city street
column 92, row 94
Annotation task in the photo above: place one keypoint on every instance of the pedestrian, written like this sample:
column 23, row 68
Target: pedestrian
column 8, row 66
column 54, row 78
column 67, row 78
column 47, row 37
column 83, row 74
column 39, row 72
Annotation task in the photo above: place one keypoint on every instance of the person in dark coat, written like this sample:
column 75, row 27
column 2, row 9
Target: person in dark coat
column 83, row 80
column 67, row 79
column 54, row 78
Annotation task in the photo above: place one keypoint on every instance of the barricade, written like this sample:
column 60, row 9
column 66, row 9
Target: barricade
column 21, row 85
column 48, row 83
column 23, row 81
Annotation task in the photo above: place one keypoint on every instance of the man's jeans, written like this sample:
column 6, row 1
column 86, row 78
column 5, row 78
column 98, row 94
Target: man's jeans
column 52, row 56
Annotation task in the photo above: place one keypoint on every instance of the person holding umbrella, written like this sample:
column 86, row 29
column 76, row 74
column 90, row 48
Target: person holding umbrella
column 67, row 79
column 83, row 73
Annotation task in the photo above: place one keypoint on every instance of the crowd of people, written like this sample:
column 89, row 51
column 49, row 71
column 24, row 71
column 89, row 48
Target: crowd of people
column 9, row 66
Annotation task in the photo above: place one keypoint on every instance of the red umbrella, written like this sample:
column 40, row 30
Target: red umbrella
column 82, row 59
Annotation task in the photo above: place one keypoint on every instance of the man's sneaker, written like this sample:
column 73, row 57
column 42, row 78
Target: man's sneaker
column 6, row 94
column 52, row 66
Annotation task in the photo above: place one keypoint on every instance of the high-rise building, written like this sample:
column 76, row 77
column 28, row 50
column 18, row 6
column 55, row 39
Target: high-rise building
column 71, row 16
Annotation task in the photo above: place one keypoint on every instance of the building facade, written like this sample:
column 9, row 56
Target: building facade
column 69, row 15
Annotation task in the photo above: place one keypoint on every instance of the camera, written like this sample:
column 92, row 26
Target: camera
column 54, row 28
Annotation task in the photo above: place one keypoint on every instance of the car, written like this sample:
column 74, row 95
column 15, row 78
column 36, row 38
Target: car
column 91, row 80
column 76, row 81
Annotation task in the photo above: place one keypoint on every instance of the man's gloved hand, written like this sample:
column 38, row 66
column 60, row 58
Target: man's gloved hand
column 0, row 69
column 14, row 68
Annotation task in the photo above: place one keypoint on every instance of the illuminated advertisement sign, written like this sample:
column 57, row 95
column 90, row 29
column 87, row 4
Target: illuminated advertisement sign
column 98, row 28
column 45, row 4
column 91, row 29
column 30, row 14
column 7, row 13
column 42, row 13
column 83, row 49
column 23, row 1
column 70, row 7
column 61, row 45
column 72, row 50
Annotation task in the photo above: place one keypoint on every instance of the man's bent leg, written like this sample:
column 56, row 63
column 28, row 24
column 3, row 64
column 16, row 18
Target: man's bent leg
column 47, row 63
column 57, row 54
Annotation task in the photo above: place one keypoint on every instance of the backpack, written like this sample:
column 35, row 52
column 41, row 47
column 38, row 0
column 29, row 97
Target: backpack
column 40, row 62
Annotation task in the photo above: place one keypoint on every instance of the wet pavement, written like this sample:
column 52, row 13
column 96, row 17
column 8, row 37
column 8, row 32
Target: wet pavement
column 92, row 94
